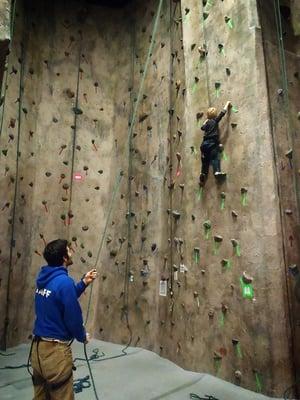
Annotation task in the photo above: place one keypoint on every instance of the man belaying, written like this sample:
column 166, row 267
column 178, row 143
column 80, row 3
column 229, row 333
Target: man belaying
column 210, row 147
column 58, row 322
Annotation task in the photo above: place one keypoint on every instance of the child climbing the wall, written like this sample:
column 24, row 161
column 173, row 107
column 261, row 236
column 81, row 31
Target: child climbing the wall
column 210, row 147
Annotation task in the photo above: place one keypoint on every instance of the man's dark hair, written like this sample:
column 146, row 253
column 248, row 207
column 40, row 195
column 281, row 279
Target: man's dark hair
column 55, row 252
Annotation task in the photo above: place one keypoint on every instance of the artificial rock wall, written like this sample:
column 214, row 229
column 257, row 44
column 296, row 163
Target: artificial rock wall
column 74, row 74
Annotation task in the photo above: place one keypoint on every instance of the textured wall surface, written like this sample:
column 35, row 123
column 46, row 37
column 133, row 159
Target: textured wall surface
column 5, row 33
column 73, row 83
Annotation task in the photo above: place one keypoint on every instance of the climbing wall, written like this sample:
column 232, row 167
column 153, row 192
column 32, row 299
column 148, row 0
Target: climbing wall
column 283, row 88
column 100, row 144
column 72, row 115
column 231, row 228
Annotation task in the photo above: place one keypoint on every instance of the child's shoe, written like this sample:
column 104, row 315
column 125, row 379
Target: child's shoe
column 220, row 175
column 202, row 179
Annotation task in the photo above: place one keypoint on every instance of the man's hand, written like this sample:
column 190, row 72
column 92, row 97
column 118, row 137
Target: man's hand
column 87, row 338
column 90, row 276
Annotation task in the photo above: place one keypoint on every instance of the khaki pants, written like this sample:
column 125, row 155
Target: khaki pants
column 53, row 361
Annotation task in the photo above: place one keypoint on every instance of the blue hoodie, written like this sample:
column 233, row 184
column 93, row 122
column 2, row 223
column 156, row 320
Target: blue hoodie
column 58, row 312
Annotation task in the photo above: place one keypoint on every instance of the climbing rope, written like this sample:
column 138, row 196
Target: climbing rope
column 112, row 202
column 16, row 182
column 275, row 155
column 117, row 185
column 205, row 49
column 129, row 140
column 130, row 168
column 171, row 117
column 290, row 138
column 75, row 110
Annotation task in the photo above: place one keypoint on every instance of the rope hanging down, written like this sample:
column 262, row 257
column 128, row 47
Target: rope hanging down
column 130, row 133
column 75, row 109
column 12, row 240
column 205, row 50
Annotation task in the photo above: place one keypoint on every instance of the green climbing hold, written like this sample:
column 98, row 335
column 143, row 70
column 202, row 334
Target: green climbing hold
column 217, row 89
column 247, row 289
column 207, row 228
column 226, row 263
column 196, row 254
column 229, row 22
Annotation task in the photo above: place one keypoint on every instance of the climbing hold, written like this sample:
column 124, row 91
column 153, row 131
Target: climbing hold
column 228, row 72
column 223, row 197
column 199, row 115
column 218, row 238
column 246, row 278
column 62, row 176
column 143, row 116
column 55, row 120
column 176, row 215
column 280, row 92
column 197, row 254
column 221, row 49
column 77, row 111
column 217, row 88
column 62, row 147
column 70, row 94
column 293, row 269
column 224, row 308
column 48, row 174
column 211, row 313
column 217, row 243
column 44, row 202
column 229, row 22
column 202, row 51
column 217, row 355
column 66, row 187
column 234, row 214
column 244, row 197
column 207, row 228
column 238, row 375
column 236, row 247
column 12, row 123
column 226, row 263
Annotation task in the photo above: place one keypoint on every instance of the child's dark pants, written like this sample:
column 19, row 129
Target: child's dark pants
column 211, row 157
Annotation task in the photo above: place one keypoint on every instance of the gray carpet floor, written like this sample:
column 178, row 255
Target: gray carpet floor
column 140, row 375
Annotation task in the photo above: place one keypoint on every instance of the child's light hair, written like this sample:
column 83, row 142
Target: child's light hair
column 212, row 113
